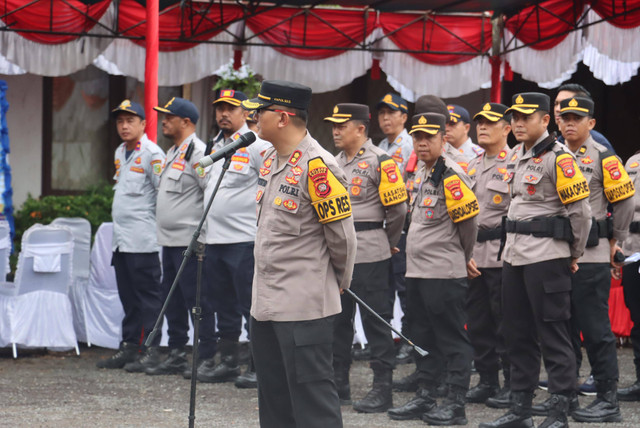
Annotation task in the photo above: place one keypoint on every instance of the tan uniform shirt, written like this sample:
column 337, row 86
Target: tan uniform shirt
column 487, row 177
column 436, row 246
column 632, row 243
column 181, row 194
column 365, row 181
column 304, row 253
column 589, row 158
column 533, row 181
column 453, row 154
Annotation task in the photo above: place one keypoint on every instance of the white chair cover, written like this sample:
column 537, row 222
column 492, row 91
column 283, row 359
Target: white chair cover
column 103, row 310
column 81, row 230
column 5, row 249
column 396, row 322
column 38, row 310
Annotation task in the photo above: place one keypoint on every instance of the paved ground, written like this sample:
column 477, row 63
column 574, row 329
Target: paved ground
column 48, row 389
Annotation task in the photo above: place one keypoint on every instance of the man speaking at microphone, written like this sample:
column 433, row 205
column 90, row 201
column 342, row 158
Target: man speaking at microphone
column 230, row 232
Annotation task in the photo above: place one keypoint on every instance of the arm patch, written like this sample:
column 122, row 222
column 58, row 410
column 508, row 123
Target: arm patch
column 570, row 183
column 391, row 189
column 328, row 196
column 617, row 183
column 462, row 203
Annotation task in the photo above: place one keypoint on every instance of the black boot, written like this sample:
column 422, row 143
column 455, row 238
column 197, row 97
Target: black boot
column 416, row 407
column 151, row 357
column 604, row 408
column 543, row 408
column 341, row 379
column 487, row 387
column 502, row 400
column 227, row 370
column 127, row 353
column 175, row 363
column 451, row 411
column 379, row 399
column 404, row 354
column 557, row 413
column 248, row 379
column 518, row 416
column 630, row 393
column 203, row 364
column 407, row 384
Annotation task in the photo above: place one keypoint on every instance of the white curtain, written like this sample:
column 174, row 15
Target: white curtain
column 54, row 60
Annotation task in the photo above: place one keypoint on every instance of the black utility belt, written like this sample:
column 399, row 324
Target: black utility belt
column 489, row 234
column 600, row 229
column 367, row 225
column 634, row 227
column 542, row 227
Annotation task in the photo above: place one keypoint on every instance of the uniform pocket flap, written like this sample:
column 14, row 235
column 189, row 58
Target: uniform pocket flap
column 498, row 186
column 531, row 178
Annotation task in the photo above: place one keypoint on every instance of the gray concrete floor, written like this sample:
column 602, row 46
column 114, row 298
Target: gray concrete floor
column 49, row 389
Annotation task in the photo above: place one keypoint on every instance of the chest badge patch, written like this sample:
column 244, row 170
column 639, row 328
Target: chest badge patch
column 429, row 213
column 531, row 189
column 586, row 160
column 497, row 199
column 363, row 165
column 355, row 190
column 537, row 160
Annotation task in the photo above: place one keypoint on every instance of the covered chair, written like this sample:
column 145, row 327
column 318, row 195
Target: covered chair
column 36, row 307
column 103, row 310
column 80, row 228
column 5, row 249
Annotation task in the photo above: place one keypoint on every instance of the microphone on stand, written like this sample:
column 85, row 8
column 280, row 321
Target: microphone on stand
column 243, row 141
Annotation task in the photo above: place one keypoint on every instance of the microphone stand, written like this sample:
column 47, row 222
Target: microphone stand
column 196, row 247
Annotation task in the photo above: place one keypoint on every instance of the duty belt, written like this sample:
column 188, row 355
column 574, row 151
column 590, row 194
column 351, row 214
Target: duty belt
column 489, row 234
column 600, row 229
column 539, row 227
column 634, row 227
column 367, row 225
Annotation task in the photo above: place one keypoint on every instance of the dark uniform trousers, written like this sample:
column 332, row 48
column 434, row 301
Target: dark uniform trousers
column 485, row 292
column 370, row 283
column 590, row 315
column 536, row 304
column 437, row 325
column 183, row 299
column 631, row 288
column 140, row 291
column 397, row 282
column 293, row 363
column 229, row 270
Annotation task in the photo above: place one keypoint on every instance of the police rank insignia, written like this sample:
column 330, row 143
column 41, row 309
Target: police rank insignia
column 461, row 202
column 293, row 176
column 329, row 197
column 617, row 183
column 295, row 157
column 138, row 161
column 391, row 189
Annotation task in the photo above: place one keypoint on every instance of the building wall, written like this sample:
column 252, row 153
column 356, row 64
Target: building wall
column 24, row 120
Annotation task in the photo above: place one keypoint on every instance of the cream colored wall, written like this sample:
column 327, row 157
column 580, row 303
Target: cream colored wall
column 24, row 120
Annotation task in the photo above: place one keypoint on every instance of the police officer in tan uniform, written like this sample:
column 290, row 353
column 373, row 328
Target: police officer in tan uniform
column 457, row 135
column 378, row 198
column 631, row 281
column 484, row 307
column 609, row 184
column 304, row 254
column 546, row 232
column 439, row 245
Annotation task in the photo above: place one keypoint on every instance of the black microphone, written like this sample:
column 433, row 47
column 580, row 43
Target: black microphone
column 243, row 141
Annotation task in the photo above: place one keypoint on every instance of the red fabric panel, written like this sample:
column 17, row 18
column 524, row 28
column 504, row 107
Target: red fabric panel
column 548, row 19
column 607, row 8
column 151, row 70
column 177, row 23
column 618, row 313
column 285, row 26
column 68, row 17
column 440, row 33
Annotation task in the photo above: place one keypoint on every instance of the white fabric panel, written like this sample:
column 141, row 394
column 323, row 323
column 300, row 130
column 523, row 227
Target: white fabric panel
column 174, row 68
column 42, row 319
column 56, row 60
column 610, row 71
column 618, row 44
column 549, row 68
column 413, row 78
column 40, row 314
column 396, row 322
column 321, row 75
column 8, row 68
column 104, row 311
column 5, row 249
column 80, row 228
